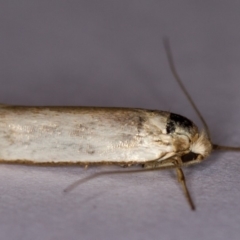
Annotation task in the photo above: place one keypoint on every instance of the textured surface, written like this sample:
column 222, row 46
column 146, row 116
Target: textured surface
column 110, row 53
column 88, row 135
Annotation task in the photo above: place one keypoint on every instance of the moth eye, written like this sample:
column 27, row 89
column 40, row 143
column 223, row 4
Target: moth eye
column 189, row 157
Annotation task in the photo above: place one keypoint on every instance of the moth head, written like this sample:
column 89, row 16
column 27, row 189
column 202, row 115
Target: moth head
column 196, row 146
column 200, row 148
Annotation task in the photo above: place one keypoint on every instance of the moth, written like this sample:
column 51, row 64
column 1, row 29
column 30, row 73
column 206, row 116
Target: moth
column 92, row 135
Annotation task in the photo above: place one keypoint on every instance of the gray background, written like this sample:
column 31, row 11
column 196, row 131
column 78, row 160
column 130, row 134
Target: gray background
column 110, row 53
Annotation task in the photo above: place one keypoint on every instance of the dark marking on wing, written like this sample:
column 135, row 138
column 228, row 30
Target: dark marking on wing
column 170, row 127
column 181, row 121
column 152, row 111
column 140, row 123
column 177, row 120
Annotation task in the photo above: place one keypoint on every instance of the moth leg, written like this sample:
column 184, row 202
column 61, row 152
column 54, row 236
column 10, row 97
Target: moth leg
column 149, row 165
column 181, row 179
column 170, row 162
column 177, row 162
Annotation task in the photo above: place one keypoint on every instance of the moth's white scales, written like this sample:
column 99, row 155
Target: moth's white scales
column 94, row 135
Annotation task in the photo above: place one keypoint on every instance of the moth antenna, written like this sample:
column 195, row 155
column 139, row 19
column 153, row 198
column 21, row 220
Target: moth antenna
column 86, row 179
column 225, row 148
column 167, row 47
